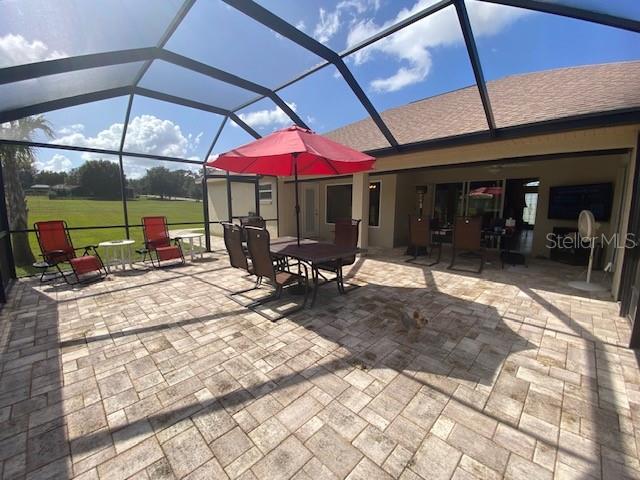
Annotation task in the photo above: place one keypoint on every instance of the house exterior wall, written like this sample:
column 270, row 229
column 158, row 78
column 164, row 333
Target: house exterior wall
column 380, row 236
column 563, row 171
column 242, row 201
column 400, row 195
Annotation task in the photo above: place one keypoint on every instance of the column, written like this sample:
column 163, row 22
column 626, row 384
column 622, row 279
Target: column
column 360, row 206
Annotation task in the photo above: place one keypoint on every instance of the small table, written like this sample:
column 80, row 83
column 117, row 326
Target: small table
column 312, row 253
column 44, row 266
column 190, row 236
column 117, row 252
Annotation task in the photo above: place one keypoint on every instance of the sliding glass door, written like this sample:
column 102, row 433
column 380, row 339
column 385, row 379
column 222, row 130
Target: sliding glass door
column 475, row 198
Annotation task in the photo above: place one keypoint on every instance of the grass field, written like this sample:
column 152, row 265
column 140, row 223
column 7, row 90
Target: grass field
column 86, row 212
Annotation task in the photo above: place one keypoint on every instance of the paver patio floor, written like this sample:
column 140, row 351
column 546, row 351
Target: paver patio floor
column 157, row 374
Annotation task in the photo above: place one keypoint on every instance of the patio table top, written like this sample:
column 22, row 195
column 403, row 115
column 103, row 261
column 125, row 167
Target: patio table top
column 311, row 251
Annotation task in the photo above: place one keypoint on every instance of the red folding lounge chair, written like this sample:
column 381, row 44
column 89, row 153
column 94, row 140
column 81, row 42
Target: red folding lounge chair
column 56, row 247
column 157, row 243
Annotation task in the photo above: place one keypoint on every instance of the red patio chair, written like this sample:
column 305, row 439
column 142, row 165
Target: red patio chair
column 157, row 242
column 56, row 247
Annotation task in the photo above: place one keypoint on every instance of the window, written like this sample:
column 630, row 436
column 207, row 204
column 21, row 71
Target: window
column 374, row 204
column 339, row 203
column 265, row 192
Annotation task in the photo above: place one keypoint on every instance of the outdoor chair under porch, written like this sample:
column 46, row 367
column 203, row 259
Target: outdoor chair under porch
column 420, row 238
column 265, row 267
column 467, row 238
column 345, row 235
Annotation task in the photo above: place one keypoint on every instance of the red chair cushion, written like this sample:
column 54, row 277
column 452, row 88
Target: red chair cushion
column 85, row 264
column 169, row 253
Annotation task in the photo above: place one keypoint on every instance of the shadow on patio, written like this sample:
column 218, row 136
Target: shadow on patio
column 352, row 364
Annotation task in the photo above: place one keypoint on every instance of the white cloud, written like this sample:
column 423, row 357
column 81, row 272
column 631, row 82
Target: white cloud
column 57, row 163
column 327, row 26
column 301, row 25
column 145, row 134
column 17, row 50
column 267, row 118
column 412, row 45
column 330, row 22
column 70, row 129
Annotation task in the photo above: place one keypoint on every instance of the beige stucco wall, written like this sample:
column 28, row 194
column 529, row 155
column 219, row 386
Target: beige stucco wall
column 243, row 201
column 381, row 235
column 577, row 141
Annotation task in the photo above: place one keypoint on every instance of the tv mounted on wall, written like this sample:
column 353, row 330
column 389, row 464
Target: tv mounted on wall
column 566, row 202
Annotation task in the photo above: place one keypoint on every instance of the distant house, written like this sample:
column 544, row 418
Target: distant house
column 62, row 190
column 38, row 189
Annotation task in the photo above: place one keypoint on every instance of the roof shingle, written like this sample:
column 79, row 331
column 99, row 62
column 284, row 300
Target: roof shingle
column 515, row 100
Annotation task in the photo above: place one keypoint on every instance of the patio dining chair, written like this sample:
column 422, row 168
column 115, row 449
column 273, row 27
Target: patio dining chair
column 420, row 237
column 56, row 248
column 157, row 243
column 345, row 235
column 238, row 255
column 258, row 244
column 253, row 221
column 467, row 237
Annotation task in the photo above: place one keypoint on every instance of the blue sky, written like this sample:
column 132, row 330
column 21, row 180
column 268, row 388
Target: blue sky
column 427, row 59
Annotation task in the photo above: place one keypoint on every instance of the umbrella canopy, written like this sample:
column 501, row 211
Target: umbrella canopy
column 486, row 192
column 275, row 154
column 294, row 151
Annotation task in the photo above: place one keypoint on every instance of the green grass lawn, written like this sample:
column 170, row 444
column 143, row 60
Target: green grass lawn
column 86, row 213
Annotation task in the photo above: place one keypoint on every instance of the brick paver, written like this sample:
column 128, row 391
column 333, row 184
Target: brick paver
column 158, row 374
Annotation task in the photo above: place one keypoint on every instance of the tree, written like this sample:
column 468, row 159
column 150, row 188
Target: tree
column 16, row 159
column 99, row 178
column 47, row 177
column 160, row 181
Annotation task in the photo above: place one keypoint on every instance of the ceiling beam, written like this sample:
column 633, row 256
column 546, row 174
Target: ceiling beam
column 165, row 97
column 145, row 92
column 18, row 113
column 425, row 12
column 234, row 117
column 173, row 26
column 573, row 12
column 215, row 139
column 472, row 49
column 231, row 79
column 278, row 25
column 83, row 62
column 19, row 73
column 102, row 151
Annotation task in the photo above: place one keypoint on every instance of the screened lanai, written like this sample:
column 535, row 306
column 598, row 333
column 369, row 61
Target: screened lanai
column 413, row 367
column 163, row 86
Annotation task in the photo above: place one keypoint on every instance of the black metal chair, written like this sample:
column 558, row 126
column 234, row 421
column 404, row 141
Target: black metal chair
column 253, row 221
column 258, row 244
column 233, row 236
column 346, row 235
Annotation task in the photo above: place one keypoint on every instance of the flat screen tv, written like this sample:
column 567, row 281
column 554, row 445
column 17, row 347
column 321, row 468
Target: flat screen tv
column 566, row 202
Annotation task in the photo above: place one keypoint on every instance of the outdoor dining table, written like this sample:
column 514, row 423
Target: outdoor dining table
column 312, row 253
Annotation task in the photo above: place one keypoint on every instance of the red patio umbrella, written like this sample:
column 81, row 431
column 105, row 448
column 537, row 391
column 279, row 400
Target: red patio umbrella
column 294, row 151
column 486, row 192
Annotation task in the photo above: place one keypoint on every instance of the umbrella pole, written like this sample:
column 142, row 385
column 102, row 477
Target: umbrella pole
column 295, row 182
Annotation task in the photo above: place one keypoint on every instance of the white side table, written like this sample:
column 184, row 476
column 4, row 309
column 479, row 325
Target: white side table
column 190, row 236
column 117, row 252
